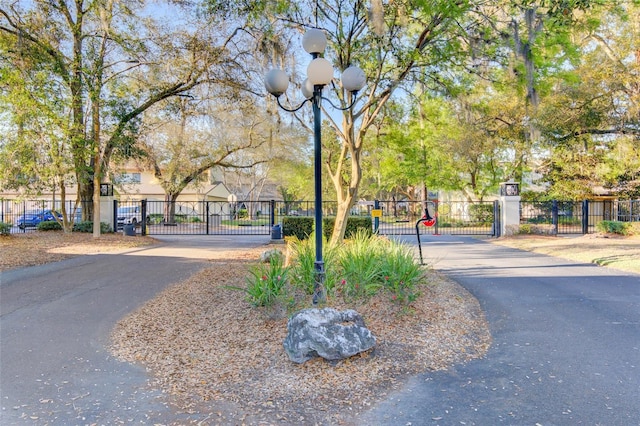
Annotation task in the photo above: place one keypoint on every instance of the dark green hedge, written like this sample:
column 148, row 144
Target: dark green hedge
column 302, row 226
column 481, row 213
column 49, row 225
column 297, row 226
column 87, row 226
column 620, row 228
column 353, row 225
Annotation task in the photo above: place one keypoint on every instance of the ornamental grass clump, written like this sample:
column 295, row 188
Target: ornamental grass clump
column 401, row 273
column 267, row 282
column 303, row 256
column 359, row 266
column 362, row 267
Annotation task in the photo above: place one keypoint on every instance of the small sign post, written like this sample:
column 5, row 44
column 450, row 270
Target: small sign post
column 106, row 190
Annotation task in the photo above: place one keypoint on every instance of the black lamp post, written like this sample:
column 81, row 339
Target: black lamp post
column 319, row 74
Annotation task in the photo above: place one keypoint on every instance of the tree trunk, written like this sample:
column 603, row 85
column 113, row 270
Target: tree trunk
column 346, row 196
column 170, row 208
column 67, row 219
column 85, row 190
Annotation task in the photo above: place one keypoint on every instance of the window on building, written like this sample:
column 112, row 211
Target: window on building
column 124, row 178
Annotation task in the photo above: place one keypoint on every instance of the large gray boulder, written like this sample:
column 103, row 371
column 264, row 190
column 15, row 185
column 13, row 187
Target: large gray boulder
column 328, row 333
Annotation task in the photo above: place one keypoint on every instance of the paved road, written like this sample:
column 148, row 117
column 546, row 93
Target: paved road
column 566, row 344
column 566, row 348
column 55, row 322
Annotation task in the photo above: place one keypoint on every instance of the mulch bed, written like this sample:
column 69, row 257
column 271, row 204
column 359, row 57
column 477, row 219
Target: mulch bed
column 218, row 356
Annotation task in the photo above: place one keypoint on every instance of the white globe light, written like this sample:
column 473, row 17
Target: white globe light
column 276, row 82
column 320, row 72
column 314, row 41
column 307, row 88
column 353, row 79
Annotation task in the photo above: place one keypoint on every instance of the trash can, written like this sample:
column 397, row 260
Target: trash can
column 276, row 232
column 129, row 230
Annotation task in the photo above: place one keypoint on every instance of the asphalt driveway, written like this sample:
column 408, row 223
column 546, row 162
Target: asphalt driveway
column 55, row 321
column 566, row 348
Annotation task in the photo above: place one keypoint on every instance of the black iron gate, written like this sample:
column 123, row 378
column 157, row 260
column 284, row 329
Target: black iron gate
column 208, row 218
column 448, row 217
column 258, row 217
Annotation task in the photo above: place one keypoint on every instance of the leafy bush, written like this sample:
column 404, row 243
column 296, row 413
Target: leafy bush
column 536, row 229
column 615, row 227
column 297, row 226
column 5, row 228
column 87, row 226
column 359, row 264
column 155, row 218
column 266, row 283
column 303, row 253
column 49, row 225
column 525, row 229
column 360, row 268
column 184, row 218
column 303, row 226
column 401, row 273
column 481, row 213
column 354, row 225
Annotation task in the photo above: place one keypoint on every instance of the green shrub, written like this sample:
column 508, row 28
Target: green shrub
column 481, row 213
column 303, row 253
column 5, row 228
column 359, row 262
column 363, row 266
column 525, row 229
column 354, row 225
column 49, row 225
column 360, row 268
column 155, row 218
column 266, row 283
column 297, row 226
column 615, row 227
column 401, row 273
column 302, row 226
column 87, row 226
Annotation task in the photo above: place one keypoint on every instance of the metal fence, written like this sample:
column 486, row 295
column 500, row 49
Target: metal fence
column 25, row 215
column 576, row 217
column 207, row 217
column 451, row 218
column 394, row 217
column 397, row 218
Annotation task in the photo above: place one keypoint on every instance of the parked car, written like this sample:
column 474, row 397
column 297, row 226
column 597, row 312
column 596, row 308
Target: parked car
column 33, row 218
column 129, row 215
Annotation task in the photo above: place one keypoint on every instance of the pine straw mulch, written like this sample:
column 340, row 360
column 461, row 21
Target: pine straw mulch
column 223, row 360
column 37, row 248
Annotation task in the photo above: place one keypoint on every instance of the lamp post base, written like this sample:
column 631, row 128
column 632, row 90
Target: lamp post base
column 319, row 295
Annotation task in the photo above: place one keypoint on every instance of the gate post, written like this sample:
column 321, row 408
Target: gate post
column 497, row 228
column 272, row 213
column 114, row 213
column 585, row 216
column 510, row 211
column 376, row 219
column 143, row 217
column 554, row 216
column 206, row 214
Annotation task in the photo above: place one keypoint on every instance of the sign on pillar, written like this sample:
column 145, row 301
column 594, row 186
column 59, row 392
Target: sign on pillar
column 106, row 203
column 510, row 207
